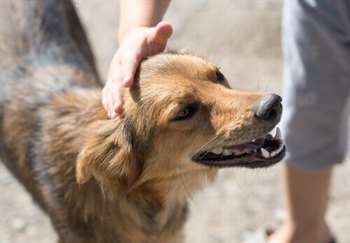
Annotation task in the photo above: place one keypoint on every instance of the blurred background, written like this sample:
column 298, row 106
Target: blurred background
column 243, row 38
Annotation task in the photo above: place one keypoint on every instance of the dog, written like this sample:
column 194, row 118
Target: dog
column 125, row 180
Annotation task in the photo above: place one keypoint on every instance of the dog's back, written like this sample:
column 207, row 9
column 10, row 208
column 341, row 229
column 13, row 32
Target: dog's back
column 36, row 36
column 44, row 52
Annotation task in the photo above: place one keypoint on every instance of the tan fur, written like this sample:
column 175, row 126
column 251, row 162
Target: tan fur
column 139, row 163
column 126, row 180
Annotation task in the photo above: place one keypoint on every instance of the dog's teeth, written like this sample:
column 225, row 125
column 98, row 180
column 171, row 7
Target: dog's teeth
column 217, row 150
column 265, row 153
column 226, row 152
column 278, row 133
column 273, row 131
column 277, row 151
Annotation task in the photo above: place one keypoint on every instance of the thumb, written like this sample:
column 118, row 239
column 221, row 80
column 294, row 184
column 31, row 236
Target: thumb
column 161, row 33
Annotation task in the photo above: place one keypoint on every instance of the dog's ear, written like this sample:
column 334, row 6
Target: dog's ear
column 108, row 154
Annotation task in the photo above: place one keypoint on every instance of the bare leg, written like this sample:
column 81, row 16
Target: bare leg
column 306, row 197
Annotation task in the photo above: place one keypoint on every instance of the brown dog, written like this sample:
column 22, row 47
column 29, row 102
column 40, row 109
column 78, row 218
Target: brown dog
column 124, row 180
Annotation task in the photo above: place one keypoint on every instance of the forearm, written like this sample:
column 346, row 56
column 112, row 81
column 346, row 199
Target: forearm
column 138, row 13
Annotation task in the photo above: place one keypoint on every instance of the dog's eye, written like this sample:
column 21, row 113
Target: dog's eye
column 219, row 76
column 187, row 112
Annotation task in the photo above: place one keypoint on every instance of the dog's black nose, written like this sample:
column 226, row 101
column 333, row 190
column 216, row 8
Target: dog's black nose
column 269, row 108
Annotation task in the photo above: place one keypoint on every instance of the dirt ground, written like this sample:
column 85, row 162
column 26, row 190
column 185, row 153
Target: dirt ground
column 243, row 37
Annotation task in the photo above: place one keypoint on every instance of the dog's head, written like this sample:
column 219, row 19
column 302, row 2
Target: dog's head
column 181, row 118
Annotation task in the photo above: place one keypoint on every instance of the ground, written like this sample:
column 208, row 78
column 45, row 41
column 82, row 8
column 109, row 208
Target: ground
column 241, row 36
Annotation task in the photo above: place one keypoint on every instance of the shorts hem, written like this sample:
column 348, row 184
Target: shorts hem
column 315, row 163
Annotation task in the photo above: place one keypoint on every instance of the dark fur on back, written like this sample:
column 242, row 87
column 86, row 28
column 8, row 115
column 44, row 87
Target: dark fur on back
column 39, row 40
column 49, row 96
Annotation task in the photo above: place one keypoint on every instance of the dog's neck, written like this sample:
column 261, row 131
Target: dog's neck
column 111, row 209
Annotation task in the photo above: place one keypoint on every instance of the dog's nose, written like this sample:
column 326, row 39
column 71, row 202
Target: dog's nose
column 269, row 108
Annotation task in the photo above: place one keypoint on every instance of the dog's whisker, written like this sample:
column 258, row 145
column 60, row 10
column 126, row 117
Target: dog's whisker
column 213, row 142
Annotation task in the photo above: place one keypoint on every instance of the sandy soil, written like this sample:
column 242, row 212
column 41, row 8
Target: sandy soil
column 243, row 37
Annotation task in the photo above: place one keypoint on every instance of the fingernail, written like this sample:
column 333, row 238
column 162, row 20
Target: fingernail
column 117, row 110
column 127, row 82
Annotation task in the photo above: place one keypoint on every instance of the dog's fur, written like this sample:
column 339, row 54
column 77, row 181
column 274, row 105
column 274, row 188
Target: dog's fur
column 102, row 180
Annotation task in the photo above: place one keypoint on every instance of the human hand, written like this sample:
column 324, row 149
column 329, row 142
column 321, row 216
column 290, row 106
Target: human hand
column 137, row 44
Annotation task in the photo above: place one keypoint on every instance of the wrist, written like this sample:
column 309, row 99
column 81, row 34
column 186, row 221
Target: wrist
column 121, row 35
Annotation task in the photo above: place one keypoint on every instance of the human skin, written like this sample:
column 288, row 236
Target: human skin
column 141, row 34
column 306, row 199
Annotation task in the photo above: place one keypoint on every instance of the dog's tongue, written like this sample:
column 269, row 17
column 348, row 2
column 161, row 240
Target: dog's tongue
column 246, row 148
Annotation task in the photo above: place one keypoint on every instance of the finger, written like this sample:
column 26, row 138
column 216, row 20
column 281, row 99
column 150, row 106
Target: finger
column 118, row 106
column 106, row 101
column 161, row 33
column 129, row 69
column 110, row 107
column 111, row 96
column 117, row 100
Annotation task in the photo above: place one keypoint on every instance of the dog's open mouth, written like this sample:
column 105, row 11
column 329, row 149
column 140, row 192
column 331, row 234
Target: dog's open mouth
column 260, row 152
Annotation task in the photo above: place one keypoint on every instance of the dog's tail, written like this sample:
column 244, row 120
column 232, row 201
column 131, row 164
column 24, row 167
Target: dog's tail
column 43, row 31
